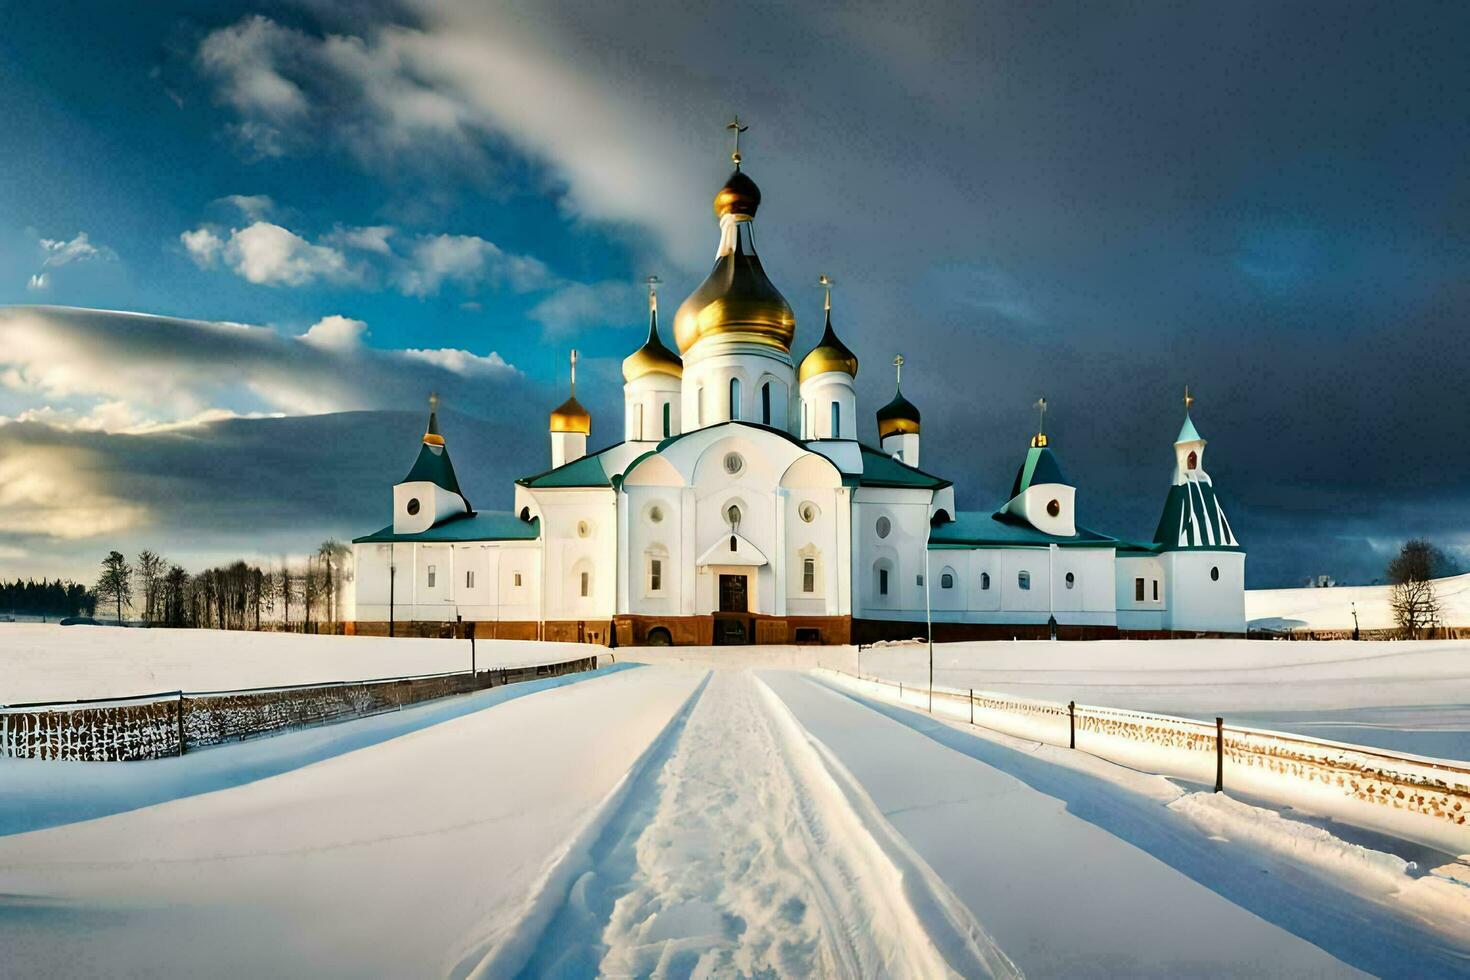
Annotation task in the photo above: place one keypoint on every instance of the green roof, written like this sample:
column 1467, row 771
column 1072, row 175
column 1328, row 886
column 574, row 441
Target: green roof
column 433, row 466
column 1187, row 432
column 584, row 472
column 882, row 470
column 971, row 529
column 485, row 525
column 1040, row 466
column 1194, row 520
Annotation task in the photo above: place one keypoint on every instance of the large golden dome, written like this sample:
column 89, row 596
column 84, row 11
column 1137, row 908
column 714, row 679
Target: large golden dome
column 736, row 301
column 570, row 416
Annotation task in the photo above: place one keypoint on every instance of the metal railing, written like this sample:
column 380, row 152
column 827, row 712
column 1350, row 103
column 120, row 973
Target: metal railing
column 1413, row 797
column 154, row 726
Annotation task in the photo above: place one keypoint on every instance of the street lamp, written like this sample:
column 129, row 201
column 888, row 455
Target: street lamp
column 1355, row 620
column 928, row 626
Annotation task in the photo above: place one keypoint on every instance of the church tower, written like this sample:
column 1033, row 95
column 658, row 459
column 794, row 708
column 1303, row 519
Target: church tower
column 828, row 399
column 430, row 492
column 570, row 426
column 898, row 422
column 1041, row 495
column 1204, row 564
column 735, row 330
column 652, row 380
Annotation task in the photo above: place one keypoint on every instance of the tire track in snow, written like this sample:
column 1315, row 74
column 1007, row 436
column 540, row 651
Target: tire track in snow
column 732, row 850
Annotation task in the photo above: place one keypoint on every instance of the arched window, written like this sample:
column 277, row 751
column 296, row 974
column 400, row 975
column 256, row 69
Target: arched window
column 734, row 398
column 836, row 420
column 985, row 581
column 808, row 575
column 1023, row 580
column 766, row 403
column 1193, row 460
column 699, row 406
column 667, row 429
column 946, row 579
column 1071, row 580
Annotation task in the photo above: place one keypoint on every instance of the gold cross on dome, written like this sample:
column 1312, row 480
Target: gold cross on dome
column 826, row 283
column 1188, row 399
column 734, row 125
column 574, row 371
column 1040, row 406
column 653, row 282
column 898, row 369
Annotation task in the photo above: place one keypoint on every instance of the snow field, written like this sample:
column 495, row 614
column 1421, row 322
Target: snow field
column 46, row 662
column 1332, row 609
column 735, row 852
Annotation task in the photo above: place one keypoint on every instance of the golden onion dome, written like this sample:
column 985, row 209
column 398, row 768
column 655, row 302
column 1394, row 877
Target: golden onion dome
column 653, row 357
column 898, row 417
column 570, row 416
column 736, row 301
column 830, row 354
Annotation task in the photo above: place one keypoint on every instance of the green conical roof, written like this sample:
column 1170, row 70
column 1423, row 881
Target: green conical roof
column 1187, row 432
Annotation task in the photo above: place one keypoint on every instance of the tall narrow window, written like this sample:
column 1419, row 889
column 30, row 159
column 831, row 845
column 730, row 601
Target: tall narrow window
column 806, row 421
column 734, row 399
column 586, row 583
column 808, row 575
column 1193, row 460
column 517, row 580
column 836, row 420
column 637, row 421
column 1023, row 580
column 431, row 576
column 469, row 580
column 1156, row 590
column 667, row 431
column 699, row 406
column 882, row 581
column 766, row 403
column 985, row 581
column 1138, row 590
column 655, row 576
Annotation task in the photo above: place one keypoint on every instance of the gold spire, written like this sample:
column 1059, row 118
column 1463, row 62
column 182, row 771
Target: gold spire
column 431, row 434
column 653, row 357
column 735, row 127
column 1039, row 440
column 830, row 354
column 1188, row 400
column 570, row 416
column 736, row 301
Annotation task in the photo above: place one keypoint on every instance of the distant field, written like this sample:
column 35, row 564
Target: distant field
column 1332, row 609
column 53, row 663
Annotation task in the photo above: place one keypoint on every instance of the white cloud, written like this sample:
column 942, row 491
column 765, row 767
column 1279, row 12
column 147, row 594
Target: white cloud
column 463, row 362
column 58, row 252
column 270, row 255
column 247, row 60
column 581, row 304
column 203, row 246
column 336, row 333
column 370, row 238
column 466, row 260
column 38, row 281
column 51, row 491
column 253, row 206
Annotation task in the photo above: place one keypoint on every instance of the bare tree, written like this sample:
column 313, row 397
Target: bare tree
column 149, row 572
column 116, row 581
column 1411, row 596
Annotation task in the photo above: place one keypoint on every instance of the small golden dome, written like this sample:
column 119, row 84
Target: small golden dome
column 570, row 416
column 898, row 417
column 830, row 354
column 652, row 358
column 738, row 196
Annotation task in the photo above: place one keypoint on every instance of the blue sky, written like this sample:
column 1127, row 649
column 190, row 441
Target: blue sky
column 319, row 211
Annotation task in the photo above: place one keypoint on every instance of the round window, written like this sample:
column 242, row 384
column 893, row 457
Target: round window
column 884, row 526
column 733, row 463
column 583, row 529
column 413, row 506
column 1215, row 574
column 1054, row 507
column 656, row 514
column 807, row 511
column 1071, row 580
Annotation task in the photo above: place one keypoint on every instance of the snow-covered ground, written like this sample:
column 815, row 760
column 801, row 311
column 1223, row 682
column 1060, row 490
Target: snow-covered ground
column 1409, row 697
column 674, row 821
column 1332, row 609
column 59, row 663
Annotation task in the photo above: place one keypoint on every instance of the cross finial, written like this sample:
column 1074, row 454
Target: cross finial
column 1188, row 399
column 433, row 401
column 826, row 283
column 1040, row 407
column 898, row 369
column 574, row 372
column 734, row 126
column 653, row 282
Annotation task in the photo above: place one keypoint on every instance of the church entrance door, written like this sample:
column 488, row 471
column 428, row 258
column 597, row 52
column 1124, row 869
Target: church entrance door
column 732, row 594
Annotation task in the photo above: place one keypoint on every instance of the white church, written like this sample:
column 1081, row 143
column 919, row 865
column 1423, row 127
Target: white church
column 742, row 507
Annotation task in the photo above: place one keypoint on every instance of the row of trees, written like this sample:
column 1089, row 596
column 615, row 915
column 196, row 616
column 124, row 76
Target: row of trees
column 46, row 598
column 237, row 595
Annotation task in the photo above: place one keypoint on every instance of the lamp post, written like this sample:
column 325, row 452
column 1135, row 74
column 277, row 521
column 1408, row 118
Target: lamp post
column 929, row 626
column 1355, row 620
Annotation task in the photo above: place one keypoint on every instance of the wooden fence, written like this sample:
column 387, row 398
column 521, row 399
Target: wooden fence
column 1412, row 797
column 155, row 726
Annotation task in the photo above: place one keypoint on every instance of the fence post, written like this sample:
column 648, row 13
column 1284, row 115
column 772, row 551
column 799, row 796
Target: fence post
column 972, row 706
column 181, row 722
column 1219, row 754
column 1071, row 724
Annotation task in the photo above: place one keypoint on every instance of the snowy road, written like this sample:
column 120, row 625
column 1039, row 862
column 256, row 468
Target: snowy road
column 666, row 821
